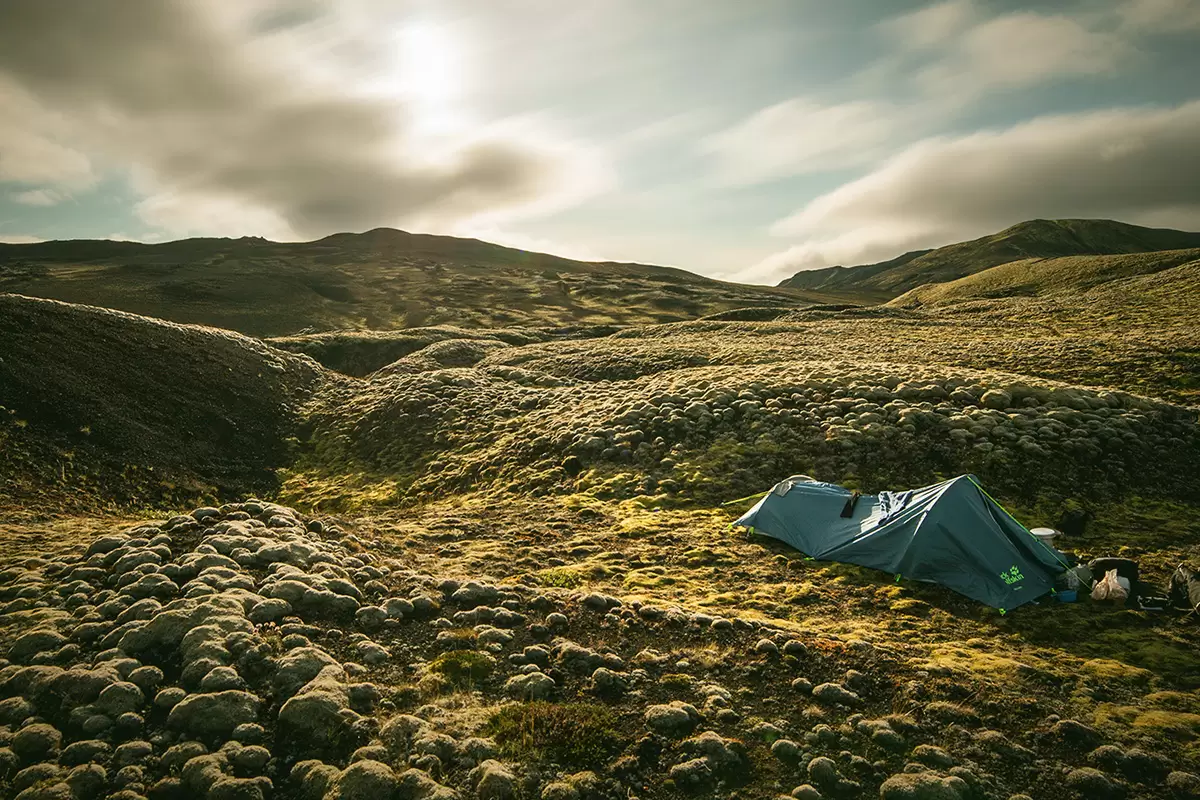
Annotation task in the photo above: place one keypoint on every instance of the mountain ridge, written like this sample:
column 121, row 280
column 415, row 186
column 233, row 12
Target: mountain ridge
column 383, row 279
column 1037, row 238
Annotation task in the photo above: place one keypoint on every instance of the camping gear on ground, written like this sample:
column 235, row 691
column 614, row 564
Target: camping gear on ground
column 1153, row 603
column 1184, row 589
column 1126, row 568
column 951, row 533
column 1078, row 577
column 1045, row 534
column 1067, row 596
column 1109, row 589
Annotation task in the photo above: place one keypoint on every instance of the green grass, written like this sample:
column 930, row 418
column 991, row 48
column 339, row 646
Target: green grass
column 576, row 734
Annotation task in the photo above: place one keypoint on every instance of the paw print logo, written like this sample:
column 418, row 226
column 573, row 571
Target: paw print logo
column 1012, row 575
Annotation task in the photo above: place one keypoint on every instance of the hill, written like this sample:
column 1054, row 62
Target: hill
column 1046, row 277
column 382, row 280
column 100, row 407
column 840, row 279
column 1027, row 240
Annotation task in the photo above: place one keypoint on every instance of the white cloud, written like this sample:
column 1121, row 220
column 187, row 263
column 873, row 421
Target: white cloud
column 38, row 197
column 31, row 150
column 800, row 136
column 1024, row 49
column 665, row 130
column 954, row 52
column 16, row 238
column 929, row 27
column 1160, row 16
column 1134, row 164
column 230, row 129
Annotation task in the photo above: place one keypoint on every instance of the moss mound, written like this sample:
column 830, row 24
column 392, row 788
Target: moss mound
column 567, row 733
column 463, row 666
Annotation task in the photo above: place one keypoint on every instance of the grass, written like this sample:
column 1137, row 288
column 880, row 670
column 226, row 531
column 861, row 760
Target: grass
column 576, row 734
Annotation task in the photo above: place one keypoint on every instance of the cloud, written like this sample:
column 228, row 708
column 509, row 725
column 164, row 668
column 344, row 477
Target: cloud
column 228, row 129
column 1160, row 16
column 38, row 197
column 801, row 136
column 31, row 150
column 1023, row 49
column 1134, row 164
column 930, row 27
column 15, row 238
column 956, row 52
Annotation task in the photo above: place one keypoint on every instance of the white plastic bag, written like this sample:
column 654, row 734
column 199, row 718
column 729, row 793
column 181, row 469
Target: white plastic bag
column 1110, row 588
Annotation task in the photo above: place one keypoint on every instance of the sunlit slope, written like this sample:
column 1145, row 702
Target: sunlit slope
column 1036, row 239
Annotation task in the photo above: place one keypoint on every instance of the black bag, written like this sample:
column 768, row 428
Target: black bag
column 1073, row 522
column 1185, row 588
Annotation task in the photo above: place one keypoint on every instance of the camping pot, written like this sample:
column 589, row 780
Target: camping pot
column 1045, row 535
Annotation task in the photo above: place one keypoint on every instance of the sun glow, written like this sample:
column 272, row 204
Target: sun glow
column 430, row 76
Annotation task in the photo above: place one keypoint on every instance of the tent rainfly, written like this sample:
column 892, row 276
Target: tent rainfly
column 952, row 533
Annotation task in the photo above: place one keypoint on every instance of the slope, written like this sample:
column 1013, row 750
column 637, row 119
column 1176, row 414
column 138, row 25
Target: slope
column 99, row 406
column 383, row 279
column 1033, row 239
column 1036, row 277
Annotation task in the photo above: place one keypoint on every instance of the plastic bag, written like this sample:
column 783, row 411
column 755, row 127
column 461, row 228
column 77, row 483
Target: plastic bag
column 1109, row 588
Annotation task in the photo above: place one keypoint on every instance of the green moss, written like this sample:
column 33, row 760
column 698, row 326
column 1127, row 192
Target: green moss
column 562, row 577
column 1109, row 670
column 567, row 733
column 675, row 681
column 463, row 666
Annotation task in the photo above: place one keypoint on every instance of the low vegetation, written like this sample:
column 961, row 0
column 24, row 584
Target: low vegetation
column 510, row 569
column 575, row 734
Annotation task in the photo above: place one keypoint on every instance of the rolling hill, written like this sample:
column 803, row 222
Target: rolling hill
column 1045, row 277
column 1027, row 240
column 381, row 280
column 101, row 407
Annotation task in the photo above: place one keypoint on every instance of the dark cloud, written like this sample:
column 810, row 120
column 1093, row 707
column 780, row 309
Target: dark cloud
column 220, row 120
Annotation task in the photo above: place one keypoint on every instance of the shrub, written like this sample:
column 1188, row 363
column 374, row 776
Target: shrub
column 567, row 733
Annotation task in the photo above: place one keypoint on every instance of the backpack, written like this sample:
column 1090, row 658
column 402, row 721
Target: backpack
column 1185, row 588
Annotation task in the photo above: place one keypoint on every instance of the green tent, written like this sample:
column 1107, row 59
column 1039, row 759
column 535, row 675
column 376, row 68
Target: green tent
column 952, row 533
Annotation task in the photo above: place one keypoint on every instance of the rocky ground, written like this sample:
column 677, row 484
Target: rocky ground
column 512, row 574
column 249, row 651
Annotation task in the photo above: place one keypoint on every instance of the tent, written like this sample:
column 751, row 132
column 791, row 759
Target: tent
column 952, row 533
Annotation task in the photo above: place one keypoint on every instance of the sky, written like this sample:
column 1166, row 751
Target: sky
column 745, row 141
